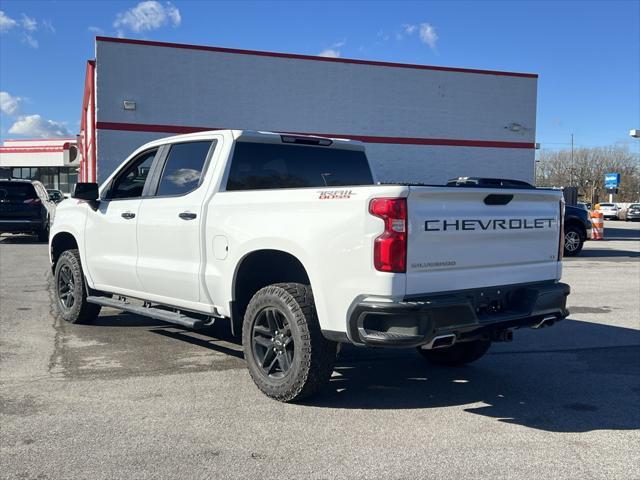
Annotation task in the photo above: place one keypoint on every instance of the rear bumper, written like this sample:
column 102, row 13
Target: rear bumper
column 467, row 314
column 20, row 226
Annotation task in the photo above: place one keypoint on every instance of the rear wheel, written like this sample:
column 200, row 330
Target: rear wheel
column 70, row 290
column 287, row 355
column 458, row 354
column 573, row 241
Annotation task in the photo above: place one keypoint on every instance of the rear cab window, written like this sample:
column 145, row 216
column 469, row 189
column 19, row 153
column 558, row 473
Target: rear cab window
column 17, row 191
column 259, row 166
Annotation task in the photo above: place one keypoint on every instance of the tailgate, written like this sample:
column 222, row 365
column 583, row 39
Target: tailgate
column 463, row 238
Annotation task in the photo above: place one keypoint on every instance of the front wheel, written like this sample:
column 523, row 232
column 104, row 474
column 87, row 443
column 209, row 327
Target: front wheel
column 458, row 354
column 70, row 292
column 287, row 356
column 573, row 241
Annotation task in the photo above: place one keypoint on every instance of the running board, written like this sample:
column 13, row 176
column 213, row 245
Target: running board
column 156, row 313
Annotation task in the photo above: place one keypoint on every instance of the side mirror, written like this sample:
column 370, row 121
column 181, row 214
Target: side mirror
column 86, row 191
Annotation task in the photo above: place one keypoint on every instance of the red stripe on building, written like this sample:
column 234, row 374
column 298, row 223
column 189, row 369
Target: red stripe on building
column 312, row 57
column 452, row 142
column 38, row 139
column 34, row 149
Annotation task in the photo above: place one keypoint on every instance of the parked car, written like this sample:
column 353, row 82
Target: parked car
column 56, row 196
column 608, row 210
column 632, row 213
column 577, row 229
column 291, row 241
column 25, row 207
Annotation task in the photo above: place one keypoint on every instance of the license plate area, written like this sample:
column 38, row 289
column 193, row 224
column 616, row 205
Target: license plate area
column 491, row 302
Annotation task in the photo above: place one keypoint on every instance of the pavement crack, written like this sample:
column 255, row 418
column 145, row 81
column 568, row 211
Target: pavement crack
column 55, row 361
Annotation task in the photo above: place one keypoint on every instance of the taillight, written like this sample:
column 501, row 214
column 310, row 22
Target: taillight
column 33, row 201
column 561, row 230
column 390, row 248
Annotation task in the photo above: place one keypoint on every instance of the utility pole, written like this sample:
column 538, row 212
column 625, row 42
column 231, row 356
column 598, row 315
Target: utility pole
column 572, row 164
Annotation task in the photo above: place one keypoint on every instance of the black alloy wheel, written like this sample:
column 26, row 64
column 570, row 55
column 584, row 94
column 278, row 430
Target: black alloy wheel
column 273, row 345
column 66, row 287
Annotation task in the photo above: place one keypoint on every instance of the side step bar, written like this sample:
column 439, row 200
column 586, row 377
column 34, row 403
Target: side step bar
column 157, row 313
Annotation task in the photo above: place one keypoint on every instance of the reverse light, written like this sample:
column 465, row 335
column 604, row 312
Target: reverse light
column 390, row 248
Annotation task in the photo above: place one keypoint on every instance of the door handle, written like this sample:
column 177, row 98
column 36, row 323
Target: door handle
column 128, row 215
column 187, row 215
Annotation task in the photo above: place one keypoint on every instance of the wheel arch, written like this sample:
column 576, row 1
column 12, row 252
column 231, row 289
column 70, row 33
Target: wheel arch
column 256, row 270
column 59, row 243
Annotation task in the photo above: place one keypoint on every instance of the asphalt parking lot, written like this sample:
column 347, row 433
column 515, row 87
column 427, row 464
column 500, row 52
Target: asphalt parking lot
column 130, row 397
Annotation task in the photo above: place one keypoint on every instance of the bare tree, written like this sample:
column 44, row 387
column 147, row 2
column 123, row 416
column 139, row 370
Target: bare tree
column 587, row 170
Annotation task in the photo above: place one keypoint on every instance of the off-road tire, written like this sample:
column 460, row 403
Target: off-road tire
column 313, row 356
column 457, row 355
column 79, row 311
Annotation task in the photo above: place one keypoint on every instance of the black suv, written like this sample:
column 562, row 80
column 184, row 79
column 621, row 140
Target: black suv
column 577, row 229
column 25, row 207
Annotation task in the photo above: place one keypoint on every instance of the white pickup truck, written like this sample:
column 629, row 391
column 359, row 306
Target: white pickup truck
column 291, row 240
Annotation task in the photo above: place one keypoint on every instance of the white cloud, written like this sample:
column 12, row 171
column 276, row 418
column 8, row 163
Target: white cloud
column 6, row 23
column 330, row 52
column 29, row 40
column 48, row 25
column 409, row 29
column 9, row 104
column 29, row 24
column 36, row 126
column 96, row 30
column 334, row 50
column 148, row 15
column 428, row 35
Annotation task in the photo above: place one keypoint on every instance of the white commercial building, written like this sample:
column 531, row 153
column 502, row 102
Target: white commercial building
column 420, row 123
column 54, row 162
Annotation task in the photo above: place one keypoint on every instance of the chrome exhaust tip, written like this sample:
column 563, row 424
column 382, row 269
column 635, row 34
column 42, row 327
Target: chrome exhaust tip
column 545, row 322
column 441, row 341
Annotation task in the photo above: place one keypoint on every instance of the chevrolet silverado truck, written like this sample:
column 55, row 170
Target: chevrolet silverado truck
column 291, row 241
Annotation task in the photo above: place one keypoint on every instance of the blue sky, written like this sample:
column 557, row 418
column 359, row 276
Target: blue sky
column 587, row 53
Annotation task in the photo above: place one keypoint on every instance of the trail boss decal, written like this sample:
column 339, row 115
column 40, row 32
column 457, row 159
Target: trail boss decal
column 335, row 194
column 493, row 224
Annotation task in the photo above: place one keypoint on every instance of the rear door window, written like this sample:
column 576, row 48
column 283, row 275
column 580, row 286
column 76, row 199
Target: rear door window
column 271, row 165
column 184, row 168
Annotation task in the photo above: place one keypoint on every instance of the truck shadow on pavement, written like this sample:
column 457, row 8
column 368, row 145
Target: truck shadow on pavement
column 577, row 376
column 568, row 389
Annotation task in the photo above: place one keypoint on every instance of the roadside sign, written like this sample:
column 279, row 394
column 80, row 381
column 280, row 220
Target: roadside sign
column 611, row 180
